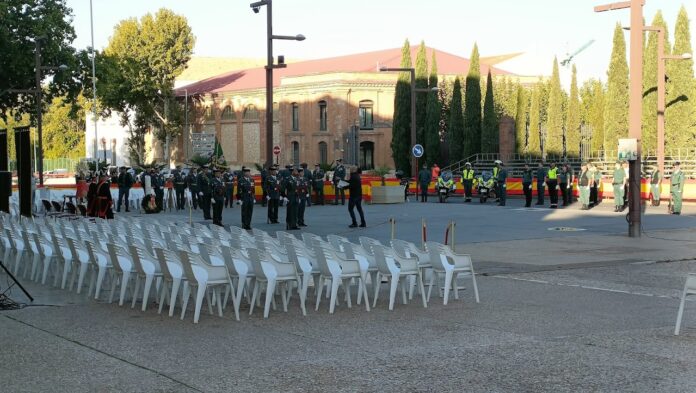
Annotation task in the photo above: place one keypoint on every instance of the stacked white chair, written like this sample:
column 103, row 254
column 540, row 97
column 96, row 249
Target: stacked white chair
column 449, row 264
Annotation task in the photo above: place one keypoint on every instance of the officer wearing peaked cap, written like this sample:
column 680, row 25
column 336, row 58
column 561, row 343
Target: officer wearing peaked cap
column 246, row 197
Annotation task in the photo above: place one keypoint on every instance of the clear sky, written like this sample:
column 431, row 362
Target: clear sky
column 540, row 28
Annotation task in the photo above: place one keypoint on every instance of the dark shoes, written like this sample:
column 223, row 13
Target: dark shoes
column 353, row 225
column 302, row 225
column 363, row 225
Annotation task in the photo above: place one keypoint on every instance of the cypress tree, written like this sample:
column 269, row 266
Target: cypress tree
column 456, row 124
column 554, row 123
column 649, row 120
column 572, row 130
column 681, row 111
column 534, row 136
column 401, row 127
column 421, row 98
column 432, row 118
column 521, row 119
column 616, row 100
column 592, row 112
column 489, row 128
column 444, row 94
column 472, row 112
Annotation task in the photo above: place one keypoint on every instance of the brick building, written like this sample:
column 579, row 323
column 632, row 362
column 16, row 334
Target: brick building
column 316, row 104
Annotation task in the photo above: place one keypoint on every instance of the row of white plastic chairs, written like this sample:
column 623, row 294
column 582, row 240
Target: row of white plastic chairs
column 130, row 255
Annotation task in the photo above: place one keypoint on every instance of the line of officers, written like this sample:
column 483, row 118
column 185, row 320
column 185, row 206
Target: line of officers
column 291, row 187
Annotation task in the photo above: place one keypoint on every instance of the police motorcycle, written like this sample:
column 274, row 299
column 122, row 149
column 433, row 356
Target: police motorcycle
column 445, row 186
column 485, row 186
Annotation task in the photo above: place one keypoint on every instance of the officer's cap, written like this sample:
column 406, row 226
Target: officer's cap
column 317, row 164
column 498, row 162
column 339, row 159
column 204, row 167
column 123, row 167
column 467, row 163
column 245, row 169
column 676, row 163
column 303, row 165
column 300, row 169
column 216, row 170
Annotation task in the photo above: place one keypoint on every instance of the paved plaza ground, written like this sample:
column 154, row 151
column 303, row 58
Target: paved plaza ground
column 560, row 311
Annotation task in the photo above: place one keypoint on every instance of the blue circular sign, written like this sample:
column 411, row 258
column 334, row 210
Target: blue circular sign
column 417, row 151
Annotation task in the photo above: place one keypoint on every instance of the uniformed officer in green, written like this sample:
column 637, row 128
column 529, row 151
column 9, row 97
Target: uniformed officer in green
column 527, row 177
column 424, row 179
column 552, row 184
column 272, row 190
column 584, row 181
column 302, row 196
column 676, row 188
column 228, row 182
column 618, row 182
column 467, row 181
column 318, row 186
column 290, row 192
column 502, row 183
column 596, row 177
column 179, row 188
column 655, row 185
column 307, row 175
column 565, row 180
column 496, row 171
column 205, row 192
column 246, row 197
column 218, row 200
column 541, row 183
column 338, row 175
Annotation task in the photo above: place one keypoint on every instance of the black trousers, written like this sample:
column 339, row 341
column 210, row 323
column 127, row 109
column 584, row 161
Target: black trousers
column 217, row 210
column 319, row 192
column 341, row 192
column 180, row 200
column 291, row 213
column 204, row 201
column 304, row 202
column 467, row 189
column 565, row 193
column 423, row 192
column 229, row 196
column 356, row 203
column 194, row 198
column 527, row 188
column 540, row 193
column 247, row 212
column 122, row 194
column 553, row 192
column 309, row 192
column 159, row 198
column 594, row 195
column 273, row 210
column 502, row 193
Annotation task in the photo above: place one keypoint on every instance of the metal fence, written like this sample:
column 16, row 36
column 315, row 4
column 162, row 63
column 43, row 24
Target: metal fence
column 53, row 164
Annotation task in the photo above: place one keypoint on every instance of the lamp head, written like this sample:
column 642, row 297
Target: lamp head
column 687, row 56
column 382, row 69
column 255, row 9
column 300, row 37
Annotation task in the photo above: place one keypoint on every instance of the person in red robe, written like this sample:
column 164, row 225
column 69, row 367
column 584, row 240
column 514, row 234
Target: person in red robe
column 104, row 197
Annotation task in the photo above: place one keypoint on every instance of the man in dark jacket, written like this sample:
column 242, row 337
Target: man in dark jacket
column 179, row 187
column 339, row 174
column 125, row 182
column 318, row 185
column 355, row 197
column 271, row 190
column 205, row 191
column 192, row 184
column 424, row 179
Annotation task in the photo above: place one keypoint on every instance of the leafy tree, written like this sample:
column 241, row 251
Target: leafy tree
column 421, row 98
column 534, row 136
column 489, row 129
column 649, row 120
column 432, row 117
column 10, row 121
column 63, row 130
column 592, row 111
column 444, row 95
column 681, row 90
column 553, row 143
column 521, row 117
column 456, row 124
column 616, row 100
column 401, row 128
column 572, row 130
column 472, row 110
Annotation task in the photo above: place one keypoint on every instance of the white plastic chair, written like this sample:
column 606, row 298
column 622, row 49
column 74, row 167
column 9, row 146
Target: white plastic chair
column 80, row 262
column 100, row 266
column 338, row 270
column 172, row 273
column 202, row 276
column 123, row 267
column 450, row 264
column 272, row 272
column 689, row 289
column 394, row 267
column 147, row 268
column 407, row 250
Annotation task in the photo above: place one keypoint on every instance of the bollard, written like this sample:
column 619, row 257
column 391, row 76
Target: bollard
column 424, row 233
column 190, row 214
column 393, row 227
column 453, row 224
column 447, row 232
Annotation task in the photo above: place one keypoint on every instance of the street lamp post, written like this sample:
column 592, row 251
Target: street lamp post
column 270, row 65
column 635, row 106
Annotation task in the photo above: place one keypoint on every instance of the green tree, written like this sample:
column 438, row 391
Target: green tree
column 681, row 90
column 139, row 67
column 444, row 95
column 432, row 117
column 649, row 120
column 64, row 130
column 534, row 136
column 521, row 117
column 553, row 143
column 489, row 129
column 592, row 112
column 456, row 124
column 421, row 97
column 401, row 127
column 616, row 100
column 572, row 130
column 472, row 110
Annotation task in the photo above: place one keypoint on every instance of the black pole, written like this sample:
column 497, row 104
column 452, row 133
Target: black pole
column 4, row 156
column 269, row 84
column 5, row 176
column 23, row 155
column 39, row 98
column 14, row 279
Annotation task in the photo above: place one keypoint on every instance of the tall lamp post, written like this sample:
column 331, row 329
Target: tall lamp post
column 270, row 65
column 635, row 106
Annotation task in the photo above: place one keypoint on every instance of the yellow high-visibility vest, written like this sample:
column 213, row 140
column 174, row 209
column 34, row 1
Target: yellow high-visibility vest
column 468, row 174
column 495, row 172
column 552, row 174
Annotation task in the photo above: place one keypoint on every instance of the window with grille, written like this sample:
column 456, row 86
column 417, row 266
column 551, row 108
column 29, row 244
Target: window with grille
column 322, row 116
column 251, row 113
column 296, row 153
column 365, row 112
column 228, row 114
column 323, row 153
column 295, row 117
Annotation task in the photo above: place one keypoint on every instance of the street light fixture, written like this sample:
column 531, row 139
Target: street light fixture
column 256, row 7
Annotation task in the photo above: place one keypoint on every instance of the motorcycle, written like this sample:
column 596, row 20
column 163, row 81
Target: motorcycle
column 485, row 186
column 445, row 186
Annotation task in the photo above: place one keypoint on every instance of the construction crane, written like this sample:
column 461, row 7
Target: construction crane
column 569, row 57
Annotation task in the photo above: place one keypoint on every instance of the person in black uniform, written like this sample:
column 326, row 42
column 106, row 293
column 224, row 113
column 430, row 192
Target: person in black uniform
column 541, row 183
column 157, row 185
column 271, row 190
column 283, row 175
column 218, row 188
column 318, row 184
column 104, row 201
column 339, row 174
column 264, row 175
column 527, row 177
column 204, row 191
column 307, row 175
column 355, row 198
column 192, row 185
column 290, row 192
column 246, row 197
column 302, row 195
column 179, row 187
column 424, row 179
column 125, row 182
column 228, row 182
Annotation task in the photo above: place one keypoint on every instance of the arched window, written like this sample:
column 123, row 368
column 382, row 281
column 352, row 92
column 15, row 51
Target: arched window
column 365, row 112
column 322, row 116
column 296, row 153
column 323, row 153
column 251, row 113
column 228, row 114
column 209, row 115
column 295, row 117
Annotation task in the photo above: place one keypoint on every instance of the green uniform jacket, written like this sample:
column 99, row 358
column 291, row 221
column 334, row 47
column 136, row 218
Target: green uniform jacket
column 245, row 190
column 677, row 183
column 527, row 176
column 619, row 176
column 272, row 187
column 424, row 176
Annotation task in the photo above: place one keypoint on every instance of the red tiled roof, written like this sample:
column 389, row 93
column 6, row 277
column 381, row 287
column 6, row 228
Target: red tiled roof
column 255, row 78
